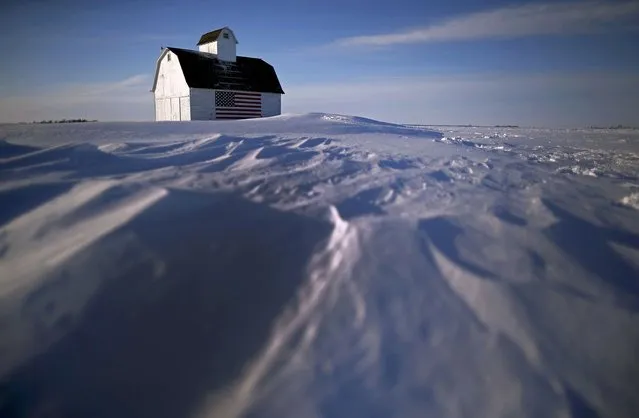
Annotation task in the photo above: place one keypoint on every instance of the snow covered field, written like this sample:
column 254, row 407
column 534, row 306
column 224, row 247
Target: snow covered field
column 318, row 266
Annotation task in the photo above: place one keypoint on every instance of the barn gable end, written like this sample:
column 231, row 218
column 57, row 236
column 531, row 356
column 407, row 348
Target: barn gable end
column 170, row 88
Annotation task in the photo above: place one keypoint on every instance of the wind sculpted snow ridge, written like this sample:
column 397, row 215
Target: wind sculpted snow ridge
column 317, row 266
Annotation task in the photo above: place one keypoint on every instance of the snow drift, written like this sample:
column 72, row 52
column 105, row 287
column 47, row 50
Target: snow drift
column 317, row 265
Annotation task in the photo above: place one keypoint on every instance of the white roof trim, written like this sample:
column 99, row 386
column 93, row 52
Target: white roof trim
column 157, row 68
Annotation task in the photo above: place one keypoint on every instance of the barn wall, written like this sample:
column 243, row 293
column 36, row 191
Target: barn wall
column 202, row 104
column 271, row 104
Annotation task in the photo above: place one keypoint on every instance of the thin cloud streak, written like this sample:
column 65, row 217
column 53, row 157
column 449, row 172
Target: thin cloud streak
column 511, row 22
column 98, row 90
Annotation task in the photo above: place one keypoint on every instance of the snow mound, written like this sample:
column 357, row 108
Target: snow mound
column 317, row 265
column 631, row 200
column 109, row 132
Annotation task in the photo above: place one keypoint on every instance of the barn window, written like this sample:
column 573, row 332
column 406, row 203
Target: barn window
column 225, row 35
column 168, row 56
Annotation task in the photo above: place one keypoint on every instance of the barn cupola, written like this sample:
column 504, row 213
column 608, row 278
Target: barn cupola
column 220, row 42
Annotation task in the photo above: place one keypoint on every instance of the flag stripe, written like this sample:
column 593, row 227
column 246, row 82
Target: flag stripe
column 237, row 109
column 223, row 117
column 239, row 113
column 240, row 105
column 256, row 108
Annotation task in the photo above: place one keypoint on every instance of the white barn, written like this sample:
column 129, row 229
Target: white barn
column 214, row 83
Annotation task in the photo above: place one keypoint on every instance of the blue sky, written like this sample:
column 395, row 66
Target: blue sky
column 559, row 63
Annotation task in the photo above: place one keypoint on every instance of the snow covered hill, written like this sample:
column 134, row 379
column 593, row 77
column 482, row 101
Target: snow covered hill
column 317, row 266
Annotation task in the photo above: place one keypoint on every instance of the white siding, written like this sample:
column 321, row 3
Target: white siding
column 159, row 109
column 202, row 104
column 163, row 109
column 185, row 108
column 171, row 87
column 175, row 108
column 271, row 104
column 211, row 48
column 226, row 47
column 166, row 108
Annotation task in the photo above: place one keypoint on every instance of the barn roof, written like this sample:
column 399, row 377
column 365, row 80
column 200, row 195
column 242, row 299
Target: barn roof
column 205, row 71
column 213, row 35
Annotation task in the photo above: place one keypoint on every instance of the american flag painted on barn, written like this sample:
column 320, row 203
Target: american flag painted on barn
column 237, row 105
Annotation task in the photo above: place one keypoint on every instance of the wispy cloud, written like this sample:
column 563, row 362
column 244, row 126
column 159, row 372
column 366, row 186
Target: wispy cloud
column 509, row 22
column 126, row 89
column 126, row 99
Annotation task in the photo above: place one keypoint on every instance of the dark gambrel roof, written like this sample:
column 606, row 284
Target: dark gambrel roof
column 203, row 70
column 211, row 36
